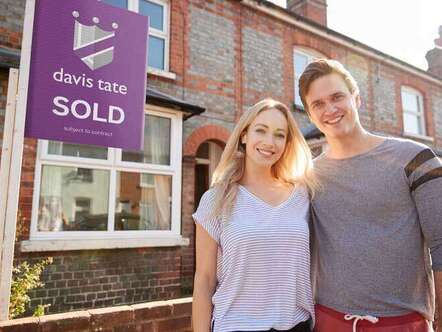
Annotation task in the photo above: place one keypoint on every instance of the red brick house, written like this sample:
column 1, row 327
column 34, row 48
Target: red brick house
column 118, row 223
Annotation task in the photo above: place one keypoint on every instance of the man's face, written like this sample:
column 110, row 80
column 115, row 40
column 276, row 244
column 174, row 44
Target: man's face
column 332, row 108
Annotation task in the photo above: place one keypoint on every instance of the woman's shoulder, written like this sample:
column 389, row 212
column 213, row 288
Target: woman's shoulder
column 207, row 200
column 301, row 191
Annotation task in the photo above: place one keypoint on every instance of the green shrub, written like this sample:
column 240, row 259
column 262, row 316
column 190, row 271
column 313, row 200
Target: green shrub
column 26, row 277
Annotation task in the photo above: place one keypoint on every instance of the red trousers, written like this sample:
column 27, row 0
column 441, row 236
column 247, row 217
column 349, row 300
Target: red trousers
column 329, row 320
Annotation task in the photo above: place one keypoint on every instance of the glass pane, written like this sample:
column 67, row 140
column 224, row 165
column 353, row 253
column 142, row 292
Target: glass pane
column 77, row 150
column 410, row 101
column 155, row 13
column 411, row 123
column 301, row 62
column 116, row 3
column 156, row 142
column 143, row 202
column 298, row 100
column 156, row 52
column 73, row 199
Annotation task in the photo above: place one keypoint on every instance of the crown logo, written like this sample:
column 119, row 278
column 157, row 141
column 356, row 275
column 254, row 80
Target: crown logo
column 93, row 45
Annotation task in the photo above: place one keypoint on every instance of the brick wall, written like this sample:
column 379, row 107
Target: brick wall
column 99, row 278
column 163, row 316
column 11, row 22
column 3, row 93
column 226, row 56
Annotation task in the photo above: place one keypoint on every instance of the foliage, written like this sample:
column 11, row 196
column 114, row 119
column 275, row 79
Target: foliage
column 26, row 277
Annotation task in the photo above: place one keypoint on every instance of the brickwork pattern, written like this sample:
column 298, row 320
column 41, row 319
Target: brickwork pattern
column 162, row 316
column 95, row 279
column 262, row 57
column 11, row 22
column 226, row 56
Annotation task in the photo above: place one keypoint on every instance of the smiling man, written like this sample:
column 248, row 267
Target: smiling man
column 376, row 221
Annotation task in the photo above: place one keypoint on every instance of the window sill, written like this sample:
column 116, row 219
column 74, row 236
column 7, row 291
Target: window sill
column 420, row 137
column 91, row 244
column 161, row 73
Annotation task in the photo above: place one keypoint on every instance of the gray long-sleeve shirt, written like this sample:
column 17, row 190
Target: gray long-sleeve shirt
column 375, row 223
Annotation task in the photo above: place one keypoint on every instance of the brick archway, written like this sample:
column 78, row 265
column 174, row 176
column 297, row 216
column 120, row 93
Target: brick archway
column 202, row 134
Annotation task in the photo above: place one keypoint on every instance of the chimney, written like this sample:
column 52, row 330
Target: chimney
column 314, row 10
column 434, row 57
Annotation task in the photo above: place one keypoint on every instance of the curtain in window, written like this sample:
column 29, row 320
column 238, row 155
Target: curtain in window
column 159, row 145
column 50, row 216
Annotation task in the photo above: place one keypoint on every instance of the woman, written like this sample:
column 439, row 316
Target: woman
column 252, row 237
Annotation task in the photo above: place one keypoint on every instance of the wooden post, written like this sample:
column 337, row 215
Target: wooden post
column 11, row 162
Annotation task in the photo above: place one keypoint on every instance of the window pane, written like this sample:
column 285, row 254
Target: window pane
column 143, row 201
column 156, row 142
column 156, row 52
column 411, row 123
column 155, row 13
column 116, row 3
column 77, row 150
column 301, row 61
column 298, row 100
column 73, row 199
column 410, row 101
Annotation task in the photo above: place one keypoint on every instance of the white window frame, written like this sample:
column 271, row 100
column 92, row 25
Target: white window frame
column 133, row 5
column 311, row 55
column 114, row 164
column 420, row 114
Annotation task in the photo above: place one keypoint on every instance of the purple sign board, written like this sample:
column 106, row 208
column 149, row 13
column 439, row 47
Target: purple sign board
column 88, row 74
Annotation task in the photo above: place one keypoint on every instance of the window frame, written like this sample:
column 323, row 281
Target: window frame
column 311, row 55
column 420, row 114
column 134, row 6
column 113, row 165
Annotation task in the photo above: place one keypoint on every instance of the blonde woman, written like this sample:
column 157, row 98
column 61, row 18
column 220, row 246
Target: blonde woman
column 252, row 236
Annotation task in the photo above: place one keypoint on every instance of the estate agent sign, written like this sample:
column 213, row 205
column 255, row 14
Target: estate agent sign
column 88, row 74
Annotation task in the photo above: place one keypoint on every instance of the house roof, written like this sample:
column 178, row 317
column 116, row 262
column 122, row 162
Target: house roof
column 311, row 131
column 9, row 57
column 344, row 38
column 161, row 99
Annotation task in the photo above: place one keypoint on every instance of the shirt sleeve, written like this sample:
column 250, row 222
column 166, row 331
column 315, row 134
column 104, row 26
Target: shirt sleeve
column 424, row 174
column 203, row 215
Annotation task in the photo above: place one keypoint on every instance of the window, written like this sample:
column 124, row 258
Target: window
column 413, row 111
column 301, row 58
column 158, row 12
column 84, row 191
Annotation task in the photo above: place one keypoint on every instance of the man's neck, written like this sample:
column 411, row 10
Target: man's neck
column 356, row 143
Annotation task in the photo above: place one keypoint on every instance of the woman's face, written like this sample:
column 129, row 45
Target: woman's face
column 266, row 137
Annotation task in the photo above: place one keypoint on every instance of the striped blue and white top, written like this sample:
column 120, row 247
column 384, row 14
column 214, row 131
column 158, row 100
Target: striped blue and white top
column 263, row 264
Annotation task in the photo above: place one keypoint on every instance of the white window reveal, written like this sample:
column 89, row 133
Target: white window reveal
column 92, row 192
column 159, row 28
column 301, row 58
column 413, row 111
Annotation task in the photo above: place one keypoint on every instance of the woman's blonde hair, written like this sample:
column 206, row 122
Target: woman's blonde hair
column 294, row 166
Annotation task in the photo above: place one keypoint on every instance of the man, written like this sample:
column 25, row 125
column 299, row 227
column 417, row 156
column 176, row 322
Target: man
column 376, row 220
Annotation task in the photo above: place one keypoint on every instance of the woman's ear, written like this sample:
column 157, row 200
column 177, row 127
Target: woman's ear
column 358, row 101
column 243, row 138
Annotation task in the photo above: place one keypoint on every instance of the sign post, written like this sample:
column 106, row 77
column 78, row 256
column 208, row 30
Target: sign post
column 88, row 74
column 82, row 80
column 11, row 163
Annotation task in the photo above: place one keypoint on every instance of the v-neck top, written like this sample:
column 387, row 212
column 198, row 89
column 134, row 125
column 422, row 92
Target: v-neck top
column 263, row 263
column 259, row 199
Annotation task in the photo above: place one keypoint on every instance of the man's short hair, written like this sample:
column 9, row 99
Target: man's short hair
column 323, row 67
